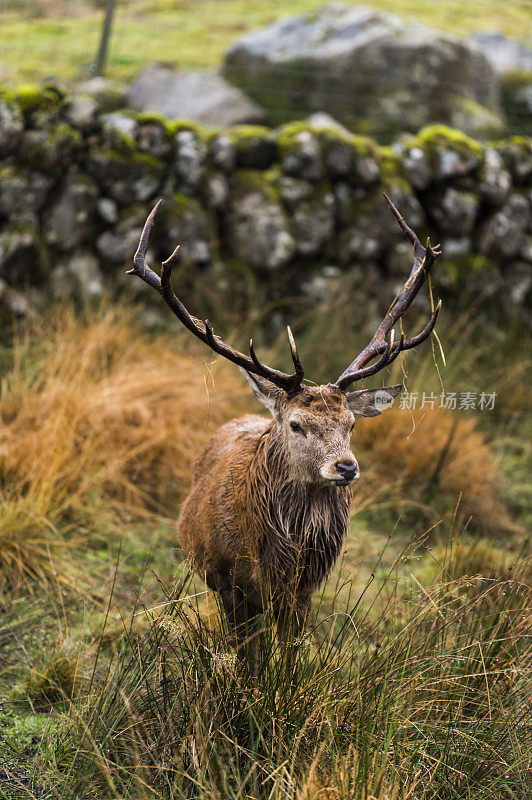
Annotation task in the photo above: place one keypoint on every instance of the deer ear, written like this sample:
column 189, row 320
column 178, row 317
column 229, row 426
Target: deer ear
column 265, row 391
column 372, row 402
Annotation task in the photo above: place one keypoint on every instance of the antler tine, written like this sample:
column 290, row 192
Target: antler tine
column 203, row 330
column 424, row 258
column 295, row 355
column 140, row 266
column 386, row 358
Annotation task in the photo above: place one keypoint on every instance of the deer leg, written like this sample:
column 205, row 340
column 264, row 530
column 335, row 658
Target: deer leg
column 243, row 619
column 291, row 619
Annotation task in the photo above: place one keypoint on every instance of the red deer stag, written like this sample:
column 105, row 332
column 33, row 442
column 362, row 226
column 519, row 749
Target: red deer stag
column 268, row 511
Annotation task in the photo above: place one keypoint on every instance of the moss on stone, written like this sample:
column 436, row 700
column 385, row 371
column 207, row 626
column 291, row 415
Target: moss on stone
column 287, row 136
column 255, row 146
column 134, row 157
column 515, row 94
column 478, row 120
column 392, row 173
column 60, row 148
column 175, row 126
column 120, row 142
column 241, row 133
column 363, row 146
column 8, row 171
column 179, row 203
column 63, row 134
column 152, row 118
column 254, row 180
column 32, row 99
column 434, row 138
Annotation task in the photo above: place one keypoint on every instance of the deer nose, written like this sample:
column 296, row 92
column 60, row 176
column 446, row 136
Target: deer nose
column 347, row 469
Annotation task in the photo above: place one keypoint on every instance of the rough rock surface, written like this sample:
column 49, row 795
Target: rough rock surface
column 513, row 63
column 125, row 177
column 190, row 160
column 504, row 233
column 503, row 53
column 116, row 245
column 258, row 230
column 362, row 65
column 454, row 211
column 20, row 255
column 200, row 96
column 22, row 193
column 69, row 222
column 11, row 128
column 259, row 213
column 79, row 274
column 186, row 222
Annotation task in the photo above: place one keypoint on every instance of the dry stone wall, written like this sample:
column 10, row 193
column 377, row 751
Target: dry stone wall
column 260, row 213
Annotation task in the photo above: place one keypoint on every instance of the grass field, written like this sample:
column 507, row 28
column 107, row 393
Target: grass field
column 45, row 38
column 116, row 678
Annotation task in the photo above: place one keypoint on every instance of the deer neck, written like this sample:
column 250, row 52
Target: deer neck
column 300, row 510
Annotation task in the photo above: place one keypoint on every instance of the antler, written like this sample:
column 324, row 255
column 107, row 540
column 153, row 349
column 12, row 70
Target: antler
column 424, row 258
column 203, row 330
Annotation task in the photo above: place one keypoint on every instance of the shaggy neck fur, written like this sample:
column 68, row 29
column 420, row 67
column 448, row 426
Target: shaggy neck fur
column 300, row 527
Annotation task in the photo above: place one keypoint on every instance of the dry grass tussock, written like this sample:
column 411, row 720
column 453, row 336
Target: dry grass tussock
column 429, row 703
column 434, row 458
column 98, row 426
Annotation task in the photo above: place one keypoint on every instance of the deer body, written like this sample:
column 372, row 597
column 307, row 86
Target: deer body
column 262, row 532
column 268, row 511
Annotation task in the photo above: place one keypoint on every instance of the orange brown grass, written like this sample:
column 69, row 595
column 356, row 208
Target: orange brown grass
column 434, row 458
column 98, row 425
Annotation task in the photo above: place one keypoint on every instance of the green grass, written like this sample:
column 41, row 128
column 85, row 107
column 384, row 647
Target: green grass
column 116, row 676
column 400, row 692
column 41, row 39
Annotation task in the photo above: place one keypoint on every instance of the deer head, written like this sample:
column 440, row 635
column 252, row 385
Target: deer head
column 314, row 427
column 313, row 424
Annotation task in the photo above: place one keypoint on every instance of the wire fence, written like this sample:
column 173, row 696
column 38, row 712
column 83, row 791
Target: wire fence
column 46, row 37
column 59, row 39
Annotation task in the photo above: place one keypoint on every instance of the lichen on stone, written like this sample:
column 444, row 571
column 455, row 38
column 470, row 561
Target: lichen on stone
column 255, row 146
column 437, row 140
column 53, row 148
column 126, row 177
column 36, row 102
column 175, row 126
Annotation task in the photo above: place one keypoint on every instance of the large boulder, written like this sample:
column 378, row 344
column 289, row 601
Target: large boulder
column 513, row 61
column 503, row 53
column 200, row 96
column 365, row 68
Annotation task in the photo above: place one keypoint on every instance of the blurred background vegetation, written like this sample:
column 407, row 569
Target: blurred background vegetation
column 51, row 37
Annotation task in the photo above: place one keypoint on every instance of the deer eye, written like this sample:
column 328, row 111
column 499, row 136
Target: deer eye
column 296, row 427
column 352, row 427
